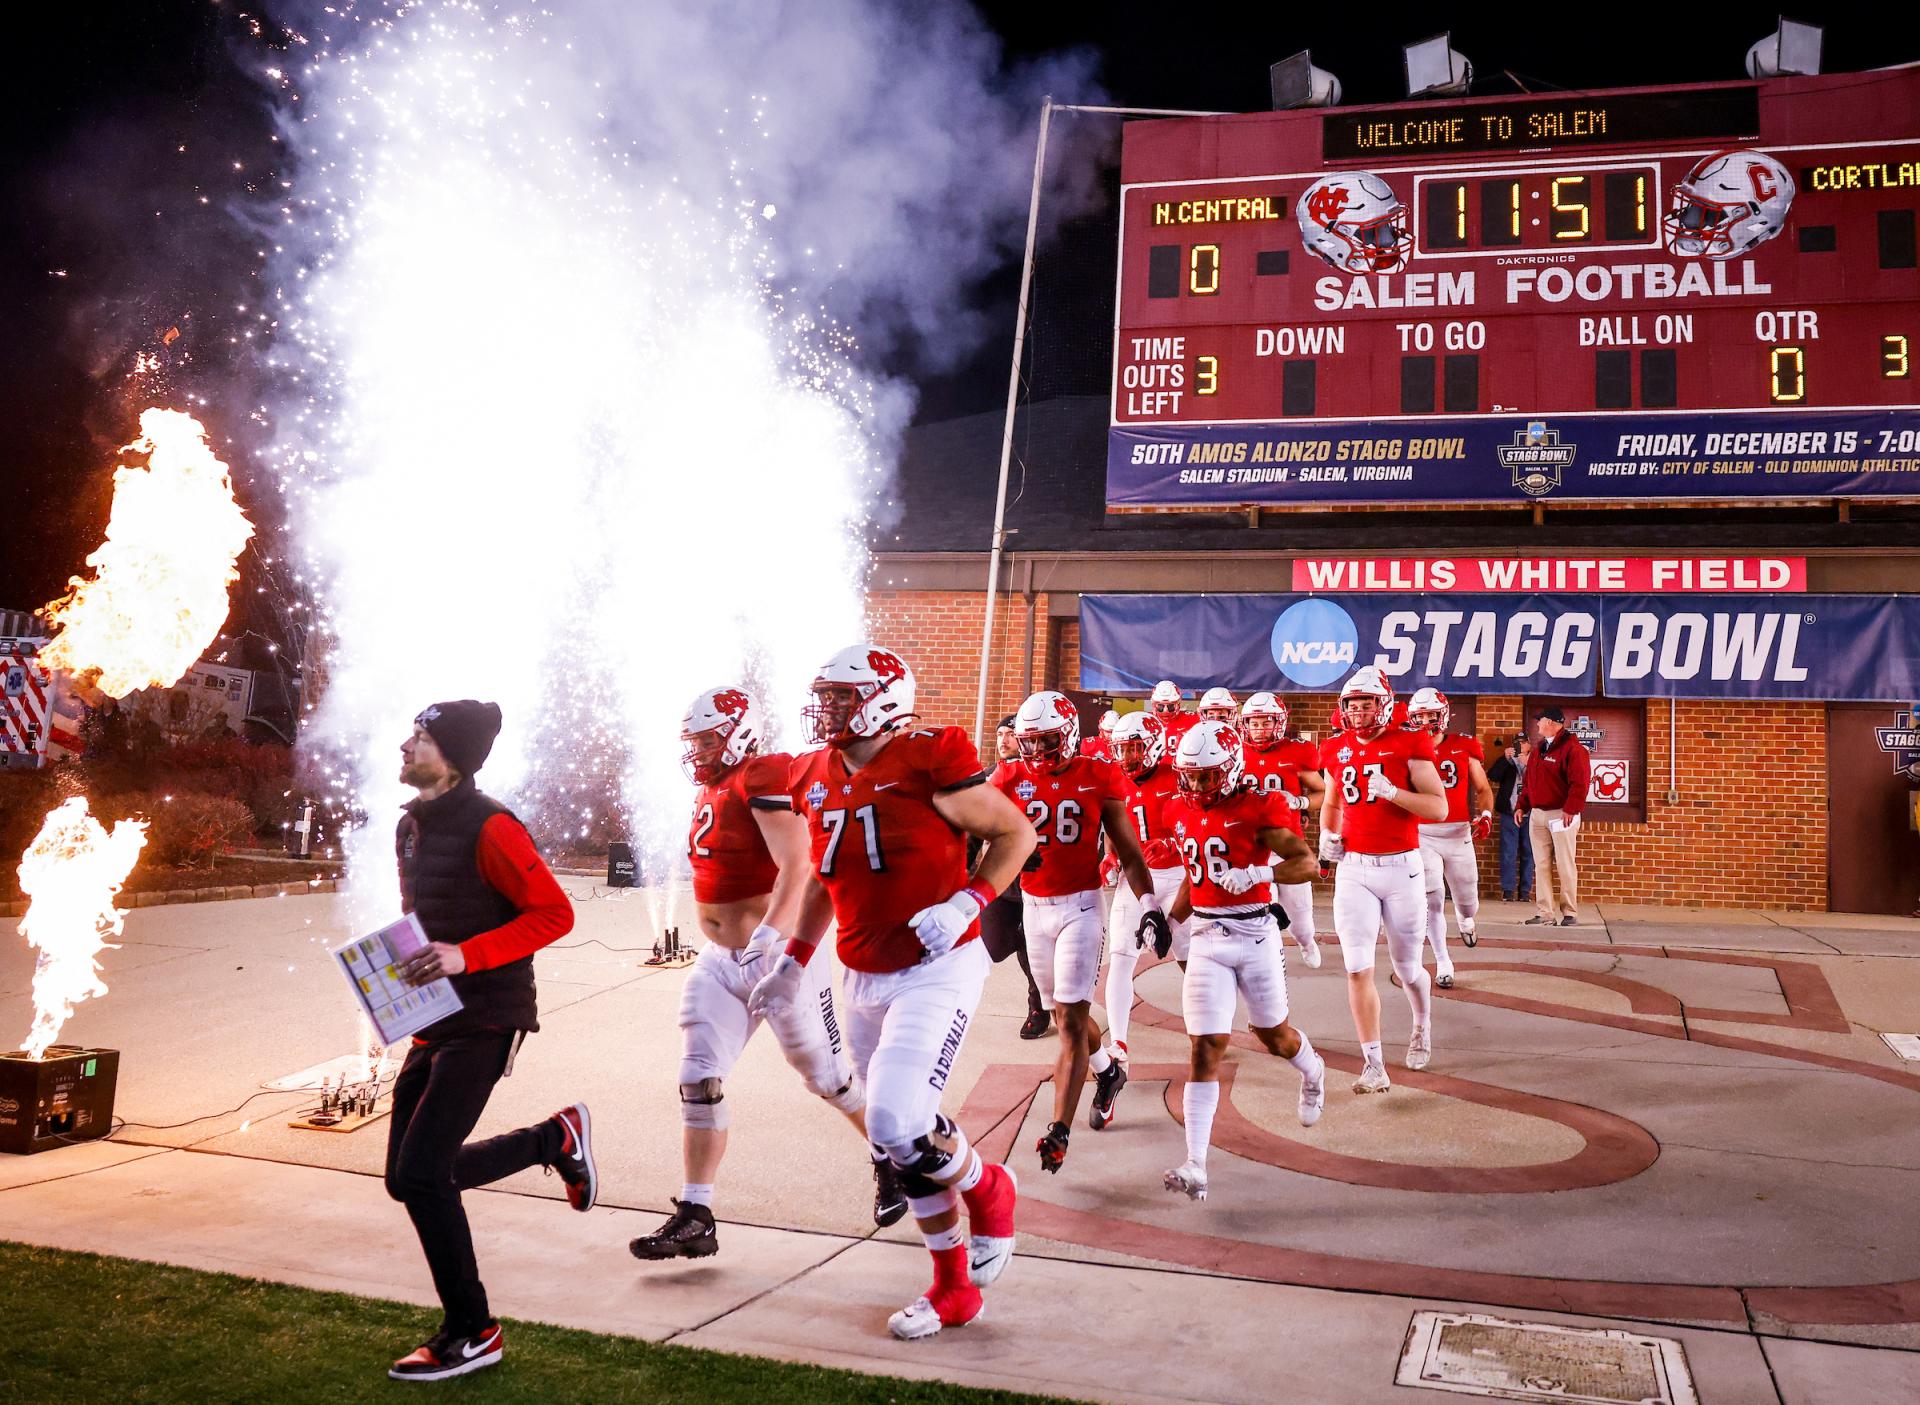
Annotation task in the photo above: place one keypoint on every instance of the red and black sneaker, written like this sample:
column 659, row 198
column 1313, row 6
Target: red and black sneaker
column 445, row 1355
column 1053, row 1147
column 574, row 1161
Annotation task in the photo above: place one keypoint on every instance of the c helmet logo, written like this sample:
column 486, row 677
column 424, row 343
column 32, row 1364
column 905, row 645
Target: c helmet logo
column 1326, row 203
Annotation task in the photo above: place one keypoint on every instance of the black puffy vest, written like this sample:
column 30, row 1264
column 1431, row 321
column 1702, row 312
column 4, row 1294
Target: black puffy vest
column 438, row 848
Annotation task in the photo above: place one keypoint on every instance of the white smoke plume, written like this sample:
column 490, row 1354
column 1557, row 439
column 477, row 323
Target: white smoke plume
column 574, row 311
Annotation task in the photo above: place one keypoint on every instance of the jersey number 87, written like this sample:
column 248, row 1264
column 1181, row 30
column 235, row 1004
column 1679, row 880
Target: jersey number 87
column 1350, row 788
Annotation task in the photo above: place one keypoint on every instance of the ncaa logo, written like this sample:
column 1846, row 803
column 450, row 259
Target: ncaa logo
column 1314, row 642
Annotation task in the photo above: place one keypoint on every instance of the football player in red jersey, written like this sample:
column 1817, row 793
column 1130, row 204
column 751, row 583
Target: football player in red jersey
column 748, row 852
column 1071, row 800
column 1381, row 783
column 1140, row 747
column 1281, row 765
column 1446, row 846
column 888, row 808
column 1102, row 745
column 1165, row 704
column 1230, row 835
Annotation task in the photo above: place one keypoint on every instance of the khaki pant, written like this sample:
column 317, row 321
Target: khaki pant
column 1553, row 851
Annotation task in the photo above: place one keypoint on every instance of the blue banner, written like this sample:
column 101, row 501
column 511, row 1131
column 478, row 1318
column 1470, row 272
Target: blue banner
column 1518, row 459
column 1810, row 647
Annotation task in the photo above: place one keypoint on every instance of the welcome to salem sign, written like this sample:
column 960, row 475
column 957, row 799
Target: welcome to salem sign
column 1804, row 647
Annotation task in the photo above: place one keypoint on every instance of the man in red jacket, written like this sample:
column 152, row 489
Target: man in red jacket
column 1556, row 792
column 470, row 873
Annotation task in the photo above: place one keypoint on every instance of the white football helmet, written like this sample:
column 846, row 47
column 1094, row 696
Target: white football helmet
column 1727, row 204
column 1047, row 726
column 1108, row 721
column 1353, row 221
column 1208, row 762
column 1139, row 743
column 860, row 693
column 1263, row 720
column 1166, row 697
column 1367, row 682
column 720, row 731
column 1429, row 711
column 1217, row 705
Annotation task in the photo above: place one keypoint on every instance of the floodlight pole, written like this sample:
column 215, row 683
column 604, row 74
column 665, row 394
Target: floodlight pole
column 1047, row 108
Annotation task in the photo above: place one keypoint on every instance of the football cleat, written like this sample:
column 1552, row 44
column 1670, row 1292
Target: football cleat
column 889, row 1196
column 1372, row 1079
column 1468, row 935
column 1313, row 1095
column 927, row 1314
column 1419, row 1047
column 1444, row 979
column 1036, row 1025
column 1309, row 951
column 444, row 1355
column 574, row 1163
column 990, row 1211
column 1106, row 1090
column 687, row 1234
column 1189, row 1178
column 1053, row 1147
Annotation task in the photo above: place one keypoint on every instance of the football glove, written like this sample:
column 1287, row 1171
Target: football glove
column 763, row 940
column 941, row 926
column 776, row 990
column 1332, row 847
column 1239, row 880
column 1154, row 931
column 1379, row 787
column 1483, row 824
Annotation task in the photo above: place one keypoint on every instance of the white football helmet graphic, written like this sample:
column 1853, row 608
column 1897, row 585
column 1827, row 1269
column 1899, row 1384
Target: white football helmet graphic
column 1428, row 711
column 860, row 693
column 1048, row 730
column 1108, row 721
column 719, row 731
column 1368, row 682
column 1728, row 204
column 1263, row 719
column 1355, row 222
column 1139, row 742
column 1217, row 705
column 1208, row 762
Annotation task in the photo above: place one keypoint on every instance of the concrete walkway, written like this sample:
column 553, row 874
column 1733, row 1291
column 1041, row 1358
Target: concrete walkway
column 1681, row 1124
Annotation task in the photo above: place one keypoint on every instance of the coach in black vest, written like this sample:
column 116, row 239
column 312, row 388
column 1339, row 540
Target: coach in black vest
column 470, row 873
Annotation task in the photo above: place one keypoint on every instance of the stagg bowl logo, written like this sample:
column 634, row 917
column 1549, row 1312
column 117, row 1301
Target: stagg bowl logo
column 1025, row 790
column 1314, row 642
column 1902, row 742
column 1586, row 731
column 816, row 796
column 1537, row 459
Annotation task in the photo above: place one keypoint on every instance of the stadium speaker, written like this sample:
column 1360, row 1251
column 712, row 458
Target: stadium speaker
column 622, row 870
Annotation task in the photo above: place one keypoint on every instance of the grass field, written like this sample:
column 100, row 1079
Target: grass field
column 85, row 1330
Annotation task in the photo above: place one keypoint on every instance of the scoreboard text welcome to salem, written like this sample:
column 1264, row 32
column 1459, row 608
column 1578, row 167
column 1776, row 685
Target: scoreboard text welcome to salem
column 1705, row 293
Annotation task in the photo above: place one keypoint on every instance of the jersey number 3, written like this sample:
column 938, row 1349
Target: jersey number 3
column 836, row 823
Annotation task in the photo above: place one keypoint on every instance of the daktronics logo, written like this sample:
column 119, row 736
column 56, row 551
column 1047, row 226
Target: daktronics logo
column 1314, row 642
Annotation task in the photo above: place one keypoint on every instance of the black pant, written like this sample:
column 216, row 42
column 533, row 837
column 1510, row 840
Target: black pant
column 1003, row 928
column 442, row 1089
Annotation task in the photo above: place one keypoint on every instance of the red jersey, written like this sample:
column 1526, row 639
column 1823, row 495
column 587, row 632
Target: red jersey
column 1277, row 770
column 1216, row 838
column 1451, row 756
column 1064, row 810
column 1146, row 808
column 1375, row 826
column 880, row 848
column 1097, row 747
column 724, row 844
column 1176, row 725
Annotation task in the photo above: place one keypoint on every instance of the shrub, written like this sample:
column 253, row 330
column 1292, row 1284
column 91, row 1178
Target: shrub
column 185, row 829
column 259, row 777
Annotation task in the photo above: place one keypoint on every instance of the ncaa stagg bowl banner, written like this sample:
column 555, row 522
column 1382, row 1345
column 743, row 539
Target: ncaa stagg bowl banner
column 1561, row 458
column 1816, row 648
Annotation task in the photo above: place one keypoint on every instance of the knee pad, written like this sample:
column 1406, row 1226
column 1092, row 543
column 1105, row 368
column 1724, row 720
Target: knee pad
column 922, row 1160
column 1411, row 973
column 925, row 1207
column 703, row 1104
column 848, row 1097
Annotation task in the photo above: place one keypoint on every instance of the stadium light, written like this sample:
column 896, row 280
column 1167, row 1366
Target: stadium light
column 1792, row 48
column 1297, row 83
column 1435, row 68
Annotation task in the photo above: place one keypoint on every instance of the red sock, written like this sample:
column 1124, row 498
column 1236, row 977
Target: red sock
column 950, row 1268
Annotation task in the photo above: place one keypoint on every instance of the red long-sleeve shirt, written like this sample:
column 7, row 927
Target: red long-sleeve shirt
column 1558, row 775
column 513, row 868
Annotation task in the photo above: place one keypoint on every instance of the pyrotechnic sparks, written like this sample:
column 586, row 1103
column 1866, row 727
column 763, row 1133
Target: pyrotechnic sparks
column 158, row 594
column 71, row 873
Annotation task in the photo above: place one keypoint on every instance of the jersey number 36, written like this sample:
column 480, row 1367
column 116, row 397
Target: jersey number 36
column 1206, row 863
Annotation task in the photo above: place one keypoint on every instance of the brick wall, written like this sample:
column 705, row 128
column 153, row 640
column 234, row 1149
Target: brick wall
column 1748, row 828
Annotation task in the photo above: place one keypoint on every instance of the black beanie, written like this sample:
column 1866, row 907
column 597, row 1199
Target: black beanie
column 463, row 730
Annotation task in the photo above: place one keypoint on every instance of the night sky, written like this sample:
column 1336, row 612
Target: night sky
column 107, row 245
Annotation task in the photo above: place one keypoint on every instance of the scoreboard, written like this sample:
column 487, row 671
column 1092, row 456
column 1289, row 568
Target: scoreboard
column 1703, row 294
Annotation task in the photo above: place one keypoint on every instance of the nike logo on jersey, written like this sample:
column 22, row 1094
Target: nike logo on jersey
column 1085, row 788
column 886, row 785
